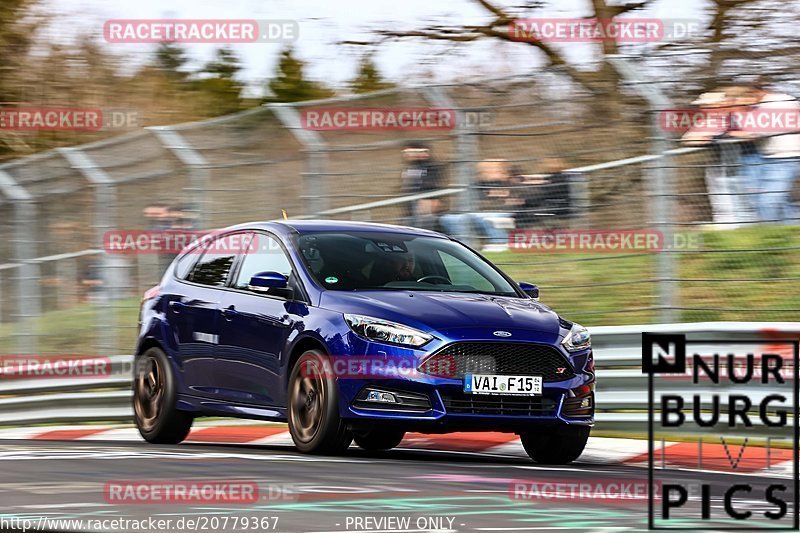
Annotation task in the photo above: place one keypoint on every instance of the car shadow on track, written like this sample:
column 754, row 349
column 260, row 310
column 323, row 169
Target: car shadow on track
column 397, row 454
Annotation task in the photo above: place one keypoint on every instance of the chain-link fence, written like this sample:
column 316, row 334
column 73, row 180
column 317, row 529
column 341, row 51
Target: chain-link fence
column 586, row 193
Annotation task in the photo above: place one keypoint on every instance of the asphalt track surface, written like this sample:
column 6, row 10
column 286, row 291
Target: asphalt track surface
column 399, row 490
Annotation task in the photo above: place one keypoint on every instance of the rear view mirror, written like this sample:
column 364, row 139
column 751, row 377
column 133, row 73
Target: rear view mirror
column 530, row 289
column 264, row 281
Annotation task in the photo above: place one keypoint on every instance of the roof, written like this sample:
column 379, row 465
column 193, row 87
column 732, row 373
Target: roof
column 306, row 226
column 309, row 226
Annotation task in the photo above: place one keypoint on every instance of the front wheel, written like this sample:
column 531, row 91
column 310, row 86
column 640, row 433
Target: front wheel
column 154, row 398
column 558, row 445
column 314, row 421
column 379, row 440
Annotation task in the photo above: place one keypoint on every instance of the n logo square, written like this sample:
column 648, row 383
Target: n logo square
column 663, row 354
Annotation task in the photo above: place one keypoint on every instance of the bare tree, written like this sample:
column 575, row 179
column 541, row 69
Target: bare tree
column 739, row 36
column 602, row 81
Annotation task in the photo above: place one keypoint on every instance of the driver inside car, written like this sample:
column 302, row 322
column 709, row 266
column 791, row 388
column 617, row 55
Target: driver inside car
column 403, row 267
column 394, row 267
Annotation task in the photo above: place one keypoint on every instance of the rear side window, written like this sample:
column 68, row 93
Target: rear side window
column 183, row 267
column 217, row 260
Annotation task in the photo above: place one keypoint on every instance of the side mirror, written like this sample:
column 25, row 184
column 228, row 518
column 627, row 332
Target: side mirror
column 264, row 281
column 530, row 289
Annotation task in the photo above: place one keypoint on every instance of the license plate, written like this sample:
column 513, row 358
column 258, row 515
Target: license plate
column 492, row 384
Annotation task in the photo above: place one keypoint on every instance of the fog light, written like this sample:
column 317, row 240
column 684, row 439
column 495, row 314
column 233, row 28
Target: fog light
column 586, row 403
column 381, row 397
column 374, row 399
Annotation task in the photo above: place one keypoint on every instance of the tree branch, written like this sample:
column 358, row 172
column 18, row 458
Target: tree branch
column 440, row 35
column 627, row 8
column 502, row 16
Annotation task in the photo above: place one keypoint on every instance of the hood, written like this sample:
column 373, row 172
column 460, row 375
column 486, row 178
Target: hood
column 429, row 311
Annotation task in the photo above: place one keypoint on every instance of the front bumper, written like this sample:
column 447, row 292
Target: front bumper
column 453, row 410
column 438, row 404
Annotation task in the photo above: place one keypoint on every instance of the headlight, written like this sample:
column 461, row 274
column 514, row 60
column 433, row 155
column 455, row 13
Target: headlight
column 379, row 330
column 577, row 339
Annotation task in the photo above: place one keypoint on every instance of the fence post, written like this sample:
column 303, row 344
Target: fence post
column 316, row 148
column 661, row 181
column 466, row 153
column 25, row 242
column 67, row 269
column 579, row 190
column 105, row 200
column 199, row 175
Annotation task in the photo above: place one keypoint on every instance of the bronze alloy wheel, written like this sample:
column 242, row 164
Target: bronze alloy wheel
column 149, row 392
column 155, row 400
column 307, row 401
column 314, row 420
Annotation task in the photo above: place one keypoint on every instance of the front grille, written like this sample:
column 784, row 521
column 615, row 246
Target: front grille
column 501, row 358
column 478, row 404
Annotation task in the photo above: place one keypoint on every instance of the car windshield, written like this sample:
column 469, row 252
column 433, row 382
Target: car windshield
column 388, row 261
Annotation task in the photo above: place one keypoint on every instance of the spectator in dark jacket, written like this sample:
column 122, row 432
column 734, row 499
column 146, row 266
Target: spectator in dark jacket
column 547, row 197
column 421, row 174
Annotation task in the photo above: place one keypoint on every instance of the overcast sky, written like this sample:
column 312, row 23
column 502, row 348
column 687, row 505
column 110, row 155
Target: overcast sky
column 325, row 22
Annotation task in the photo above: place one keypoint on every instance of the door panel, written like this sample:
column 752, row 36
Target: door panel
column 195, row 318
column 254, row 328
column 195, row 314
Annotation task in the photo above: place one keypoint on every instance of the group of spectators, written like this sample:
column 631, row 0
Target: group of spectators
column 751, row 178
column 507, row 198
column 753, row 174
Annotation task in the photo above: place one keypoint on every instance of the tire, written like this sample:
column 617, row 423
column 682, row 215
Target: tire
column 558, row 445
column 378, row 439
column 313, row 410
column 154, row 398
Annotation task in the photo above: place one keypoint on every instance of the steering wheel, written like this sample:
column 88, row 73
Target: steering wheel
column 424, row 279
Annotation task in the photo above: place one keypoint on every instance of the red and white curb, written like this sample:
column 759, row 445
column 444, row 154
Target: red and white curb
column 749, row 459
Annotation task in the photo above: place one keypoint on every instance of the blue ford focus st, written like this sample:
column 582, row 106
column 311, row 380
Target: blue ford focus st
column 358, row 332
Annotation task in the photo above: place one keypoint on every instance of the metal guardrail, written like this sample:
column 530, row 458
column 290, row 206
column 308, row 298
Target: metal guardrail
column 621, row 385
column 395, row 201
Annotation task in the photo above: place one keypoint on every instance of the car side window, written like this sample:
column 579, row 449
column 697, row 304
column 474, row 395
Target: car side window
column 264, row 254
column 215, row 264
column 183, row 266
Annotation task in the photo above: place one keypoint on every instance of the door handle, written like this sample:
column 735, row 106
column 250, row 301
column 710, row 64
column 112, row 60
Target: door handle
column 229, row 312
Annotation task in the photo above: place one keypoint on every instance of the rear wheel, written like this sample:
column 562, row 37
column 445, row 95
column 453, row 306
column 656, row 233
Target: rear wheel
column 556, row 445
column 154, row 399
column 314, row 421
column 377, row 439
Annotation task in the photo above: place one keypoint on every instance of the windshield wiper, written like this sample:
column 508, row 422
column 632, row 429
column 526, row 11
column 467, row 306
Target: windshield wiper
column 433, row 289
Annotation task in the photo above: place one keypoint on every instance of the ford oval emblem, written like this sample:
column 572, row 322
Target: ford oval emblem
column 501, row 334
